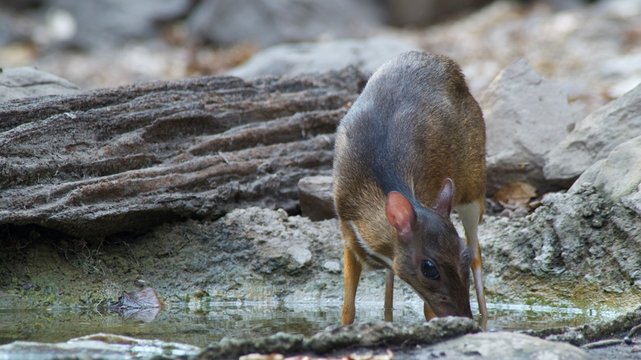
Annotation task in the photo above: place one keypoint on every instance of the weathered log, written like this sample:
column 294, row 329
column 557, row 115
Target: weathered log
column 125, row 159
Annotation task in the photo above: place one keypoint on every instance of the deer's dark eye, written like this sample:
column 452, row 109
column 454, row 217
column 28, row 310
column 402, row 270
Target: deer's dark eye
column 428, row 268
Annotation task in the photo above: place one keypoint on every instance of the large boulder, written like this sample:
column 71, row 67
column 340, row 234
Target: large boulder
column 123, row 159
column 22, row 82
column 503, row 345
column 617, row 175
column 293, row 59
column 526, row 116
column 269, row 22
column 594, row 137
column 576, row 246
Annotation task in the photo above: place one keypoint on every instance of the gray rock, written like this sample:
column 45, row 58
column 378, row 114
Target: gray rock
column 97, row 346
column 633, row 202
column 269, row 22
column 339, row 339
column 301, row 255
column 595, row 136
column 579, row 237
column 502, row 345
column 16, row 83
column 617, row 175
column 323, row 56
column 20, row 4
column 316, row 197
column 79, row 140
column 425, row 12
column 526, row 116
column 103, row 23
column 7, row 33
column 332, row 266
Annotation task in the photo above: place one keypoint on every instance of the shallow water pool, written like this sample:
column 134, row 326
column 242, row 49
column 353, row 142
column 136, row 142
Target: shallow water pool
column 213, row 321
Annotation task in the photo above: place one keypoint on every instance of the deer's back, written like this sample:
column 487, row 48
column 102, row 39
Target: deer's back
column 414, row 124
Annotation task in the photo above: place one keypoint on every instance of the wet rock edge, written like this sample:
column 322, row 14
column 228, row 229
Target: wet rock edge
column 370, row 335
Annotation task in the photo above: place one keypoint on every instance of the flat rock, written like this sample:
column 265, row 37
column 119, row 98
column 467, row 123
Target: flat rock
column 526, row 116
column 97, row 346
column 594, row 137
column 22, row 82
column 500, row 345
column 316, row 197
column 367, row 55
column 617, row 175
column 268, row 22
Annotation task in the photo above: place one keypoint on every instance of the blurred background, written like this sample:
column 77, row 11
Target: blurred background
column 592, row 47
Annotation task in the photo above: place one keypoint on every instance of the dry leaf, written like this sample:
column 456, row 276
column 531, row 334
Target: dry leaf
column 515, row 195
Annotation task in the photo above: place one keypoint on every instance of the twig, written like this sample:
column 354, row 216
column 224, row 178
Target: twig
column 602, row 343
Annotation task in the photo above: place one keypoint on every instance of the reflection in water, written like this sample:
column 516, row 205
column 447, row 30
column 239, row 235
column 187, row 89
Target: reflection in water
column 142, row 305
column 178, row 323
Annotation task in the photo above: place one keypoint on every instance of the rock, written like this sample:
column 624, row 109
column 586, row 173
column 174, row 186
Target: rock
column 425, row 12
column 501, row 345
column 280, row 247
column 119, row 21
column 97, row 346
column 332, row 266
column 22, row 82
column 584, row 334
column 618, row 174
column 269, row 22
column 633, row 202
column 7, row 33
column 526, row 116
column 20, row 4
column 141, row 305
column 301, row 255
column 338, row 339
column 129, row 158
column 291, row 59
column 576, row 246
column 595, row 136
column 316, row 197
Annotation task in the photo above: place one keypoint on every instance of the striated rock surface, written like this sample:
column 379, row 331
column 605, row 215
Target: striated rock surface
column 576, row 246
column 124, row 159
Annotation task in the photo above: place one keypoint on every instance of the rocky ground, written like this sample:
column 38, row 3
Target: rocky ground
column 564, row 192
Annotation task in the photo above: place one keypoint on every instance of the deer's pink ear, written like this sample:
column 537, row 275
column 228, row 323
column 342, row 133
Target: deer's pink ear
column 400, row 213
column 444, row 198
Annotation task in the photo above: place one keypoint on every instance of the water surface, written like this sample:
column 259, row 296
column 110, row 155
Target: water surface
column 208, row 324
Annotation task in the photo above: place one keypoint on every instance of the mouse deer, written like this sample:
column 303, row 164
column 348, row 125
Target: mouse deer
column 409, row 150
